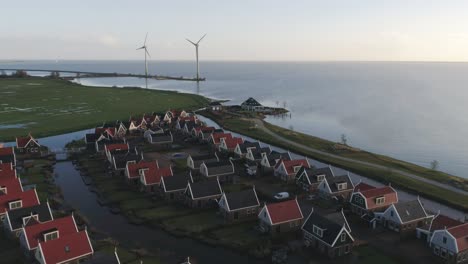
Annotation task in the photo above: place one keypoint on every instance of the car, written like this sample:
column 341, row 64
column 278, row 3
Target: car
column 281, row 196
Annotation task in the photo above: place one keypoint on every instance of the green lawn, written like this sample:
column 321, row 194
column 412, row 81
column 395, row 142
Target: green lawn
column 195, row 223
column 368, row 255
column 48, row 107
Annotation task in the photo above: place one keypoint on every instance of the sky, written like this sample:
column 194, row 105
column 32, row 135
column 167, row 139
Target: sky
column 246, row 30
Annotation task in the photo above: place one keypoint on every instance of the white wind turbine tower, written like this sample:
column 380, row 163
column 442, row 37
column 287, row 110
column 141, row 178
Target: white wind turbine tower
column 196, row 53
column 146, row 63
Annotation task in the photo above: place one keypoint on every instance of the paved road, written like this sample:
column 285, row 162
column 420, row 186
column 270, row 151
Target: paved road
column 260, row 125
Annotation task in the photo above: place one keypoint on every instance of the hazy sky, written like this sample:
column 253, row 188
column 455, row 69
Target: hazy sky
column 409, row 30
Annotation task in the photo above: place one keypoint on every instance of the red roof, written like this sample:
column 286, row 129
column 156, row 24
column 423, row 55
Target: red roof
column 12, row 184
column 34, row 233
column 290, row 164
column 133, row 169
column 112, row 147
column 149, row 118
column 28, row 198
column 99, row 130
column 218, row 136
column 154, row 176
column 388, row 192
column 7, row 171
column 461, row 235
column 360, row 187
column 22, row 142
column 442, row 222
column 6, row 151
column 187, row 118
column 67, row 248
column 284, row 211
column 231, row 143
column 111, row 131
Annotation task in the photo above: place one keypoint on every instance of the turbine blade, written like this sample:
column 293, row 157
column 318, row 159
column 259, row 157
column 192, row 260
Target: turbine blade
column 140, row 48
column 146, row 50
column 190, row 41
column 201, row 38
column 144, row 44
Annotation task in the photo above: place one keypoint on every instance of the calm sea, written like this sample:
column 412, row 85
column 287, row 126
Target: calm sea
column 416, row 112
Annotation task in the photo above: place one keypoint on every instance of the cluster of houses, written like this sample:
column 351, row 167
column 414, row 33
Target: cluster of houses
column 43, row 238
column 201, row 186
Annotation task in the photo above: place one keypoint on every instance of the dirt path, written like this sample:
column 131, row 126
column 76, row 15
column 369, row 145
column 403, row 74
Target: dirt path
column 260, row 125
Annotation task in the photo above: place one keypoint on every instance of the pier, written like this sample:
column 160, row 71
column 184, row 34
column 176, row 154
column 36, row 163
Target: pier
column 85, row 74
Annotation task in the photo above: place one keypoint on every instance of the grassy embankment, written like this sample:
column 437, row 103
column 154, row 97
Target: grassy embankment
column 49, row 107
column 246, row 127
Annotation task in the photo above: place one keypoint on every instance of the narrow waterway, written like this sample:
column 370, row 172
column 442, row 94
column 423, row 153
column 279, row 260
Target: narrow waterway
column 172, row 249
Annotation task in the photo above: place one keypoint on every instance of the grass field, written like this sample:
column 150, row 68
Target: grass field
column 460, row 201
column 49, row 107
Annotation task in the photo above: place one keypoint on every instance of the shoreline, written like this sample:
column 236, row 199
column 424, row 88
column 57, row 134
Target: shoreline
column 456, row 200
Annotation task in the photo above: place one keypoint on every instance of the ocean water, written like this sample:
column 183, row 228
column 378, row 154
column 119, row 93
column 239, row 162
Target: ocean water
column 417, row 112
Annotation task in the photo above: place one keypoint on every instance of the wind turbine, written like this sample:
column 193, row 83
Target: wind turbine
column 196, row 53
column 146, row 63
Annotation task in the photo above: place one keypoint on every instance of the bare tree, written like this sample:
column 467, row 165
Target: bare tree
column 344, row 140
column 284, row 104
column 434, row 165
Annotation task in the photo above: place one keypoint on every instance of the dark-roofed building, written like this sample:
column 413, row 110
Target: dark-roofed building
column 222, row 169
column 251, row 105
column 16, row 219
column 241, row 205
column 329, row 234
column 269, row 161
column 404, row 217
column 173, row 188
column 162, row 139
column 203, row 194
column 103, row 140
column 337, row 187
column 120, row 160
column 256, row 155
column 241, row 149
column 310, row 178
column 194, row 162
column 286, row 170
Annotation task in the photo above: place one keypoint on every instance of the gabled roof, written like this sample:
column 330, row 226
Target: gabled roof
column 248, row 144
column 333, row 181
column 331, row 224
column 362, row 186
column 160, row 138
column 175, row 183
column 460, row 233
column 274, row 155
column 217, row 137
column 312, row 173
column 410, row 210
column 371, row 195
column 41, row 210
column 205, row 189
column 221, row 167
column 154, row 175
column 22, row 142
column 6, row 151
column 7, row 171
column 121, row 159
column 133, row 168
column 441, row 222
column 91, row 138
column 198, row 160
column 28, row 198
column 7, row 155
column 231, row 143
column 66, row 248
column 12, row 185
column 251, row 102
column 116, row 147
column 291, row 164
column 243, row 199
column 284, row 211
column 35, row 233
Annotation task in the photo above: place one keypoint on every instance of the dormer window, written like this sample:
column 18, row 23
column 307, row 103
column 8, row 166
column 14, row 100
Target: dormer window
column 343, row 237
column 15, row 204
column 379, row 200
column 51, row 235
column 342, row 186
column 320, row 178
column 3, row 189
column 27, row 218
column 296, row 168
column 318, row 231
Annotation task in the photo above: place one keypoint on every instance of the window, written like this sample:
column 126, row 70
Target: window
column 51, row 235
column 343, row 237
column 297, row 168
column 391, row 213
column 264, row 214
column 436, row 251
column 443, row 253
column 3, row 189
column 380, row 200
column 318, row 231
column 15, row 204
column 342, row 186
column 444, row 240
column 346, row 249
column 320, row 178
